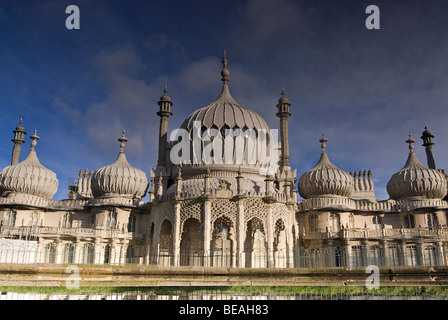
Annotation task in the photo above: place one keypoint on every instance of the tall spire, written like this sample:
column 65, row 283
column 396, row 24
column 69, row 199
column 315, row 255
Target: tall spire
column 164, row 112
column 283, row 113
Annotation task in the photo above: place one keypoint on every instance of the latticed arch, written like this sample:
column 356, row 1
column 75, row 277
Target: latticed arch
column 190, row 209
column 254, row 208
column 223, row 207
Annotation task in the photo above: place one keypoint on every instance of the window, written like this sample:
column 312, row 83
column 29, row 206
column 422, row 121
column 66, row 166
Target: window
column 132, row 222
column 33, row 219
column 49, row 253
column 66, row 220
column 334, row 222
column 351, row 221
column 432, row 220
column 111, row 221
column 376, row 256
column 394, row 256
column 430, row 256
column 69, row 253
column 376, row 220
column 409, row 222
column 107, row 254
column 359, row 256
column 412, row 256
column 313, row 222
column 87, row 253
column 10, row 219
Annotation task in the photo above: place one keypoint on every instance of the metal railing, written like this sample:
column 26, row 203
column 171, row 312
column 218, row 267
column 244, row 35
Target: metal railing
column 298, row 257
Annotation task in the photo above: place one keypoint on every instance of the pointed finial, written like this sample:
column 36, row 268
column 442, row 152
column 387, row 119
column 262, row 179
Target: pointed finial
column 323, row 140
column 410, row 141
column 224, row 72
column 122, row 140
column 35, row 138
column 283, row 100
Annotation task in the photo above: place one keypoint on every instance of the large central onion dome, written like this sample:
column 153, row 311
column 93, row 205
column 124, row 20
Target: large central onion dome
column 325, row 179
column 416, row 181
column 29, row 176
column 229, row 126
column 120, row 178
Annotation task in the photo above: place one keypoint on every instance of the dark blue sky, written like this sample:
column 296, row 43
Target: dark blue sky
column 366, row 89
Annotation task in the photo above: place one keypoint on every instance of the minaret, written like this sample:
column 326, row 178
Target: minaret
column 164, row 112
column 427, row 143
column 283, row 113
column 19, row 135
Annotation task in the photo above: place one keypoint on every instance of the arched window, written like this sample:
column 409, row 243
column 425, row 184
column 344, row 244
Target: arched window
column 87, row 253
column 66, row 220
column 432, row 221
column 107, row 252
column 132, row 222
column 69, row 253
column 351, row 220
column 34, row 217
column 376, row 220
column 111, row 221
column 313, row 222
column 10, row 218
column 409, row 221
column 335, row 222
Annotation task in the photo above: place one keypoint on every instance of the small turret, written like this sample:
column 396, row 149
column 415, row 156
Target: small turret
column 428, row 143
column 19, row 139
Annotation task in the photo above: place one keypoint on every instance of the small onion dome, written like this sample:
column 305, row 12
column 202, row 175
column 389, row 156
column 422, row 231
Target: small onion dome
column 165, row 97
column 417, row 181
column 29, row 176
column 20, row 128
column 283, row 99
column 325, row 179
column 119, row 178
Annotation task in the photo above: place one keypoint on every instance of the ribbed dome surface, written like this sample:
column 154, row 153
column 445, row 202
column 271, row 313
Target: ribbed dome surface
column 415, row 180
column 225, row 112
column 29, row 177
column 325, row 179
column 119, row 179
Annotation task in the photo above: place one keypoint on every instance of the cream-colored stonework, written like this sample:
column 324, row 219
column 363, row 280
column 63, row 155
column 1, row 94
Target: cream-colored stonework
column 224, row 214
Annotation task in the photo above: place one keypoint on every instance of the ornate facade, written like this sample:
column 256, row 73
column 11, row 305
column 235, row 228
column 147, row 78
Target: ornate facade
column 214, row 200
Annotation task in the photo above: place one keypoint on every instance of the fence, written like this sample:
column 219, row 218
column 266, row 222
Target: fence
column 209, row 295
column 17, row 251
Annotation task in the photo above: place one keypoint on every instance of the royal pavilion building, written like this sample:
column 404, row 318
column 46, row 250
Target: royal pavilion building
column 223, row 194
